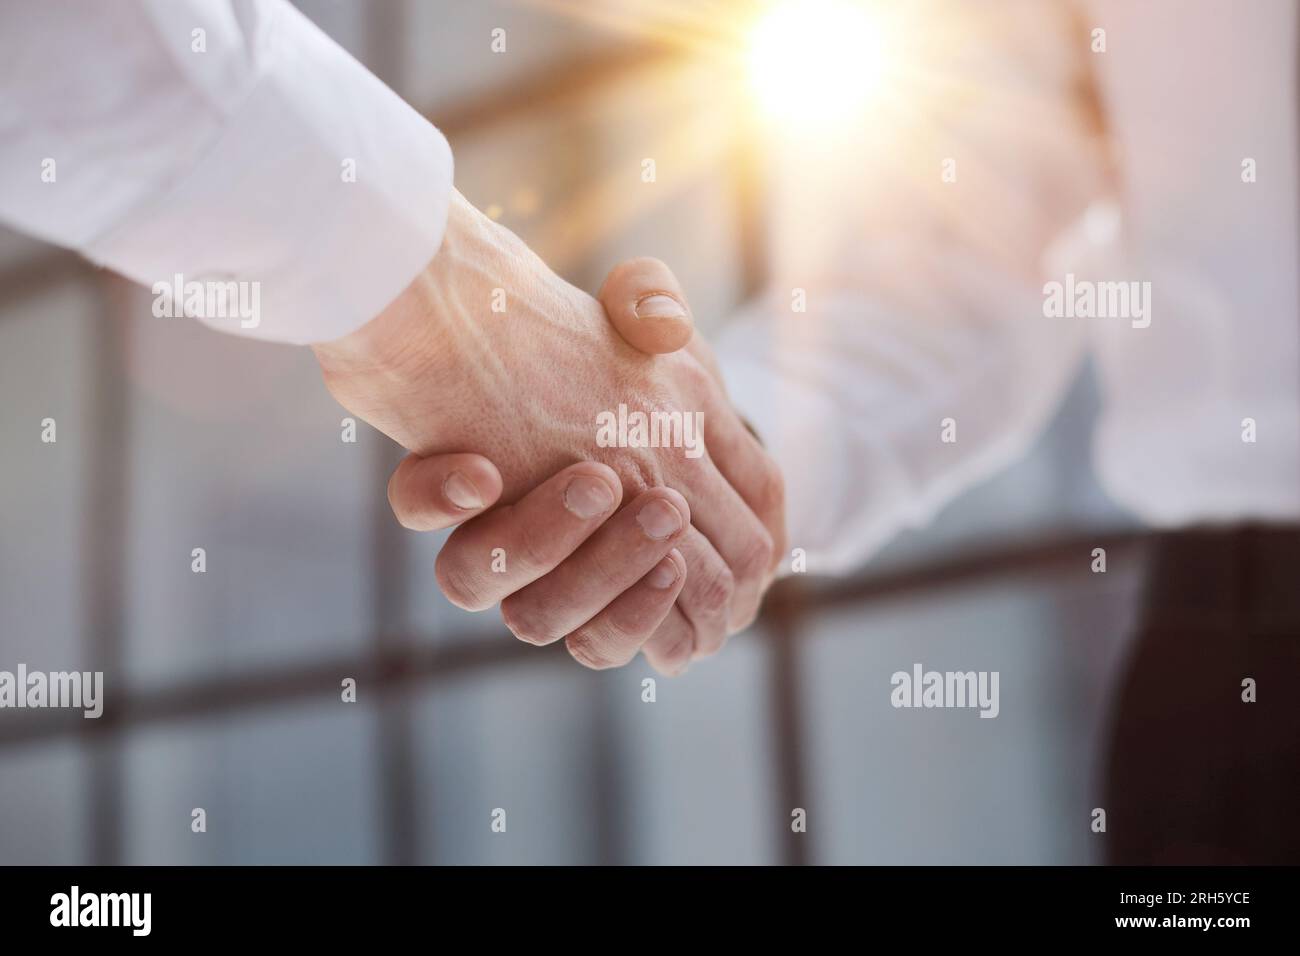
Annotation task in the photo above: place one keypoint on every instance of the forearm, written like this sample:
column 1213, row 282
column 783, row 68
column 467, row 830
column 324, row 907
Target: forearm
column 443, row 363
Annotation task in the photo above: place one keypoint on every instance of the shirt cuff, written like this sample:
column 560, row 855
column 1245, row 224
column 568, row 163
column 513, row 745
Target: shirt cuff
column 322, row 197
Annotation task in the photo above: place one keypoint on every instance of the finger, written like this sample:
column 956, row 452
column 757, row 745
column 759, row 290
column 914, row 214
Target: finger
column 506, row 549
column 740, row 539
column 613, row 637
column 427, row 494
column 739, row 454
column 753, row 473
column 620, row 553
column 705, row 600
column 700, row 626
column 645, row 304
column 669, row 651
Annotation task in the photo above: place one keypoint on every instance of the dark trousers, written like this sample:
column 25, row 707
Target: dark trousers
column 1196, row 774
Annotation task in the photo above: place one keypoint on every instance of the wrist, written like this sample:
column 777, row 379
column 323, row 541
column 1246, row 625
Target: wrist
column 417, row 369
column 395, row 340
column 415, row 326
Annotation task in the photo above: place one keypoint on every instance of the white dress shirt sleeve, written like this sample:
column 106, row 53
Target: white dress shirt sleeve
column 927, row 325
column 219, row 142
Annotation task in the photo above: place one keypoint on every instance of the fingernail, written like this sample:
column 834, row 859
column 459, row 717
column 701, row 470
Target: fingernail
column 588, row 497
column 659, row 306
column 460, row 491
column 663, row 575
column 659, row 519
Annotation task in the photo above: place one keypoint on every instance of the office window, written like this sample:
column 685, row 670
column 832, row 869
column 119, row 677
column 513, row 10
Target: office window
column 225, row 686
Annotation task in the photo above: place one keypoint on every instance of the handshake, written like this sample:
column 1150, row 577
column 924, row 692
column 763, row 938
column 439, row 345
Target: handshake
column 571, row 406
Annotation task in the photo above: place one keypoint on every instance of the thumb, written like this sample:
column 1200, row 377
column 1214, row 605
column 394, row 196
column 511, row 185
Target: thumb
column 441, row 491
column 645, row 305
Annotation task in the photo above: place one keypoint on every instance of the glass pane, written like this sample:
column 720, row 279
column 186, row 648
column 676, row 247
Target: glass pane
column 698, row 763
column 235, row 447
column 899, row 785
column 520, row 738
column 278, row 786
column 43, row 791
column 46, row 367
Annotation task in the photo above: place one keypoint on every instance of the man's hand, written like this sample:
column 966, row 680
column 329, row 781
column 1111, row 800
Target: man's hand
column 588, row 579
column 576, row 565
column 440, row 371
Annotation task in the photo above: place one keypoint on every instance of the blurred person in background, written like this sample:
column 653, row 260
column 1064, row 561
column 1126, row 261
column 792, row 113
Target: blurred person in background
column 1019, row 192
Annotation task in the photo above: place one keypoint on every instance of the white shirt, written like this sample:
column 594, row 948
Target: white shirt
column 219, row 141
column 928, row 305
column 925, row 298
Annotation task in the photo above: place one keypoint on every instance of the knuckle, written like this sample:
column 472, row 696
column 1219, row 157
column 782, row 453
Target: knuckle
column 713, row 591
column 533, row 548
column 757, row 555
column 638, row 472
column 647, row 470
column 771, row 489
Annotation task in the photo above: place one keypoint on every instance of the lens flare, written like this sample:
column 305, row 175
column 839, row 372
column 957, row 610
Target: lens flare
column 816, row 62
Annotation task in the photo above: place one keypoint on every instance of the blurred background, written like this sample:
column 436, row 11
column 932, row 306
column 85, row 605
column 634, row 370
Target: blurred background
column 223, row 688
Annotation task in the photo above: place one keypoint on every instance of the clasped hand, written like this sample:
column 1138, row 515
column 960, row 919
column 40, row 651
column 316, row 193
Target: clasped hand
column 613, row 548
